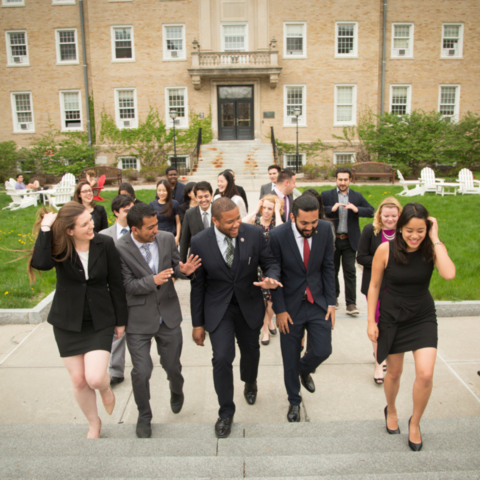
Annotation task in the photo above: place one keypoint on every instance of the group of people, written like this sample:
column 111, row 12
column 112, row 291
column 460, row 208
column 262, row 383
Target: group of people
column 283, row 258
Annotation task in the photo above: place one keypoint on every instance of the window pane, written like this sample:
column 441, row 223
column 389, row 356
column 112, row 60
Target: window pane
column 292, row 160
column 71, row 101
column 344, row 113
column 399, row 100
column 345, row 38
column 400, row 43
column 234, row 37
column 295, row 30
column 451, row 31
column 295, row 45
column 294, row 100
column 344, row 95
column 23, row 107
column 235, row 92
column 129, row 162
column 174, row 38
column 176, row 100
column 343, row 158
column 18, row 44
column 67, row 45
column 126, row 104
column 447, row 100
column 402, row 31
column 123, row 43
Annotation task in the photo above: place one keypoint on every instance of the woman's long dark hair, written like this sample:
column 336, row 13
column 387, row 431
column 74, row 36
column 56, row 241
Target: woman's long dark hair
column 230, row 190
column 412, row 210
column 77, row 197
column 321, row 210
column 187, row 190
column 168, row 209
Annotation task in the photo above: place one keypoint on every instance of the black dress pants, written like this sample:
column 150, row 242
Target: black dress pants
column 233, row 325
column 345, row 253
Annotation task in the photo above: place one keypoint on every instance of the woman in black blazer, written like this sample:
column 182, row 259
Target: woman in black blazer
column 89, row 303
column 84, row 195
column 373, row 235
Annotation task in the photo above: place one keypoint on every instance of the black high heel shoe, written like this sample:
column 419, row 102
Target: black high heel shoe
column 416, row 447
column 391, row 432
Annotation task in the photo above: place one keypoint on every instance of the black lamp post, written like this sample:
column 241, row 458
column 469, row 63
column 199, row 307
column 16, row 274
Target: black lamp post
column 297, row 112
column 173, row 116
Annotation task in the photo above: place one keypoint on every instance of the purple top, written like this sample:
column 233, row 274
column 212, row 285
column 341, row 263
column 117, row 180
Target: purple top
column 20, row 186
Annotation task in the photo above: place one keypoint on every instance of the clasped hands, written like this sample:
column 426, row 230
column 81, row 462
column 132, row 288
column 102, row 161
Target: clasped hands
column 349, row 206
column 192, row 263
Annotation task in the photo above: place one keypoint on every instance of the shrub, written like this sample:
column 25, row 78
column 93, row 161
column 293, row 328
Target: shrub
column 131, row 174
column 312, row 171
column 8, row 160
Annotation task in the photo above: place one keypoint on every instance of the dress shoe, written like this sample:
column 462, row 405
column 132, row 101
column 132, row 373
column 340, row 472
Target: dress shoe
column 293, row 414
column 144, row 430
column 307, row 382
column 352, row 309
column 116, row 380
column 223, row 427
column 416, row 447
column 176, row 401
column 250, row 393
column 109, row 406
column 391, row 432
column 272, row 332
column 265, row 342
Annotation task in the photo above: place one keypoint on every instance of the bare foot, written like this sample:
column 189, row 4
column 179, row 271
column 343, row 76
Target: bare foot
column 94, row 430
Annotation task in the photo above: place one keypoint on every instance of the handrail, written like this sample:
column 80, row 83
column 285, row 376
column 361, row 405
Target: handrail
column 194, row 156
column 274, row 146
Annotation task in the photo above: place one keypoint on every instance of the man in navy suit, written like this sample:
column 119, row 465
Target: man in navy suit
column 345, row 207
column 226, row 300
column 304, row 249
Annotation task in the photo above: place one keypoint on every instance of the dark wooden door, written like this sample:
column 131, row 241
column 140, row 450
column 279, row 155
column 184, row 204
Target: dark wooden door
column 235, row 112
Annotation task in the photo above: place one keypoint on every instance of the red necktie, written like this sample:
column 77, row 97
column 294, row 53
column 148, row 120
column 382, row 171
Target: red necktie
column 306, row 258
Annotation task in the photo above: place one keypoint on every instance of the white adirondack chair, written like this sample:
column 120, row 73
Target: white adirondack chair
column 429, row 182
column 62, row 192
column 417, row 190
column 468, row 184
column 20, row 198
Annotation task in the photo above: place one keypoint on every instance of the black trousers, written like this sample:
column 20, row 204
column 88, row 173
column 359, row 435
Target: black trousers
column 233, row 325
column 345, row 253
column 310, row 317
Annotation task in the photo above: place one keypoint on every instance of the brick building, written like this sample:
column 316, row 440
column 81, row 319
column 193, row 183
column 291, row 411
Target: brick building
column 252, row 63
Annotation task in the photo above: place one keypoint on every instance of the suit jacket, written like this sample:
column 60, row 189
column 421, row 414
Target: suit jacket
column 266, row 189
column 111, row 232
column 330, row 198
column 241, row 192
column 290, row 197
column 178, row 193
column 319, row 276
column 147, row 301
column 215, row 283
column 103, row 289
column 99, row 216
column 192, row 224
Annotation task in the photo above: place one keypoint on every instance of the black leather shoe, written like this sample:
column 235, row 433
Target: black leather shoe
column 176, row 401
column 307, row 382
column 116, row 380
column 250, row 393
column 144, row 430
column 273, row 332
column 293, row 414
column 223, row 427
column 391, row 432
column 416, row 447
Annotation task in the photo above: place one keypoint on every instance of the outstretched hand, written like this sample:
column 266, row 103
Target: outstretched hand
column 268, row 284
column 193, row 262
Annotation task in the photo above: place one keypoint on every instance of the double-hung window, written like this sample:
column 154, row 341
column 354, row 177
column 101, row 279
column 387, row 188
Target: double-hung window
column 290, row 160
column 452, row 41
column 345, row 104
column 343, row 158
column 176, row 99
column 67, row 51
column 449, row 103
column 346, row 39
column 71, row 111
column 295, row 40
column 295, row 102
column 400, row 99
column 13, row 3
column 22, row 110
column 174, row 42
column 402, row 40
column 63, row 2
column 126, row 107
column 126, row 163
column 17, row 49
column 235, row 38
column 122, row 44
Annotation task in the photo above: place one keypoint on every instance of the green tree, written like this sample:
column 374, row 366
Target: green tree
column 9, row 157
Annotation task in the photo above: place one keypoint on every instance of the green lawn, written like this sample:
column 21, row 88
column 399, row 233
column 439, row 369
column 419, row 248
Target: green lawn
column 459, row 229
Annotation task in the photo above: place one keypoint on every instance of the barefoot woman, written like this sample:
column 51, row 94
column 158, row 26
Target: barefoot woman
column 89, row 303
column 407, row 312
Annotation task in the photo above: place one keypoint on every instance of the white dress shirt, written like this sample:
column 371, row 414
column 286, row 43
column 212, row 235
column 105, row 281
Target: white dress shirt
column 222, row 243
column 300, row 239
column 208, row 212
column 285, row 200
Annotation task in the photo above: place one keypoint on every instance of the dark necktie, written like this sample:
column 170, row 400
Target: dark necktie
column 206, row 223
column 230, row 252
column 306, row 258
column 123, row 231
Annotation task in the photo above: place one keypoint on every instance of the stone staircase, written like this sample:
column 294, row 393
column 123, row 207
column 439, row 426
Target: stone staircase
column 325, row 450
column 248, row 159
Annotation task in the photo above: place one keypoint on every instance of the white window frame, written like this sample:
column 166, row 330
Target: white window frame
column 285, row 159
column 25, row 58
column 222, row 35
column 16, row 124
column 287, row 119
column 182, row 54
column 409, row 97
column 456, row 114
column 124, row 157
column 120, row 121
column 353, row 121
column 132, row 39
column 64, row 128
column 304, row 37
column 180, row 123
column 16, row 4
column 335, row 160
column 408, row 54
column 444, row 51
column 57, row 44
column 354, row 53
column 63, row 2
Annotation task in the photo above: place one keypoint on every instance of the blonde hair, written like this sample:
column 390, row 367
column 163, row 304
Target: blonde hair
column 272, row 198
column 377, row 219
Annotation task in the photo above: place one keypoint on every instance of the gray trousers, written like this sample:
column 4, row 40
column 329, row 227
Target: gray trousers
column 169, row 347
column 117, row 357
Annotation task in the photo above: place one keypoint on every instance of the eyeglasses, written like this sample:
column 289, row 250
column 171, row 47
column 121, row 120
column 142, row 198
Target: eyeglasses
column 86, row 191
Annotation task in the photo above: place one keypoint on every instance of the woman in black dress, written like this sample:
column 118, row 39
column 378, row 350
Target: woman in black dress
column 407, row 312
column 84, row 195
column 167, row 210
column 89, row 303
column 189, row 200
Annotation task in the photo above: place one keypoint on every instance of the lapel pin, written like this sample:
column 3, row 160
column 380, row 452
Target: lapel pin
column 242, row 240
column 316, row 231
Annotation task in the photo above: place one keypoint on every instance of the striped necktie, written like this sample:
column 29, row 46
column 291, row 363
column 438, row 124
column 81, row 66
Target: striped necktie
column 149, row 258
column 230, row 252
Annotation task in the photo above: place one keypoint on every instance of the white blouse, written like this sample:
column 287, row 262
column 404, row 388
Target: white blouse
column 83, row 256
column 238, row 200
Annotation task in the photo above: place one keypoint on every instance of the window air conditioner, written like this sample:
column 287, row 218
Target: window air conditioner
column 25, row 126
column 294, row 119
column 451, row 53
column 126, row 123
column 177, row 121
column 18, row 59
column 402, row 52
column 174, row 53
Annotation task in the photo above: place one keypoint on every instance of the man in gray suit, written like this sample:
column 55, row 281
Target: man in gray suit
column 273, row 172
column 149, row 261
column 121, row 205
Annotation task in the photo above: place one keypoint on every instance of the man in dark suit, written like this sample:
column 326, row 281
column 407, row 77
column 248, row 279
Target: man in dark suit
column 241, row 190
column 197, row 218
column 304, row 249
column 227, row 302
column 177, row 187
column 273, row 172
column 345, row 207
column 284, row 190
column 149, row 260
